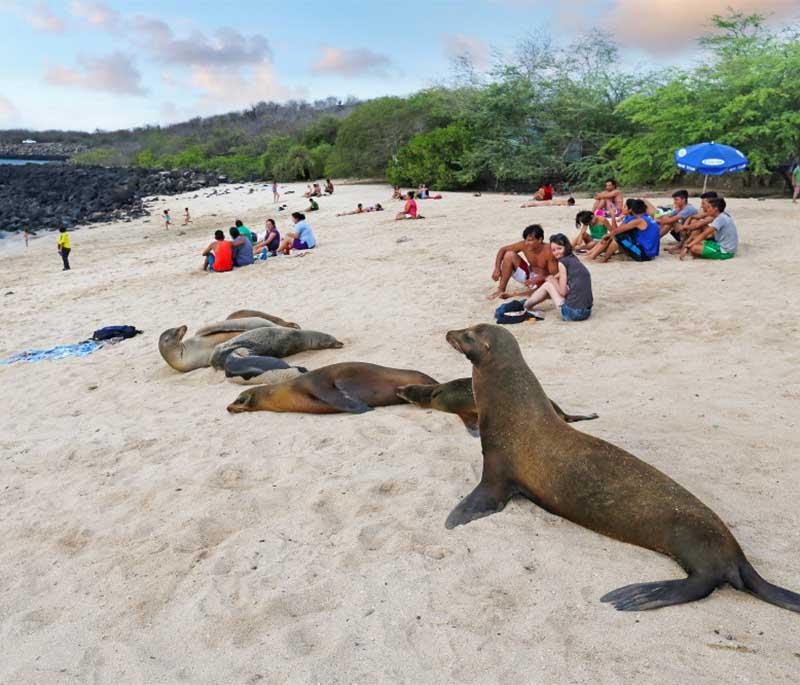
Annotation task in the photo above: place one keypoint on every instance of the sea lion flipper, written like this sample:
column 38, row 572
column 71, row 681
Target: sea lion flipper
column 644, row 596
column 486, row 499
column 341, row 400
column 572, row 418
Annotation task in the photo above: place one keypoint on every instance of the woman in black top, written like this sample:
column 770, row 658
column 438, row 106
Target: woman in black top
column 571, row 288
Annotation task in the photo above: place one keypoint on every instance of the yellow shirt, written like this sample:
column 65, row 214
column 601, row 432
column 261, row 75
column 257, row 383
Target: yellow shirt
column 63, row 240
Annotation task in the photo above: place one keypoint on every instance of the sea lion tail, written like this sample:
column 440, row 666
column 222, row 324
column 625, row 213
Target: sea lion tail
column 644, row 596
column 301, row 369
column 765, row 590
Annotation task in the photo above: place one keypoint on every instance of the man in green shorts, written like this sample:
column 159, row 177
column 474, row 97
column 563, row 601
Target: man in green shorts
column 719, row 240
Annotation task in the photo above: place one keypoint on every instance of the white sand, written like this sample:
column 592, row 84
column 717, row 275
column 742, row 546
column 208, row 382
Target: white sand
column 150, row 537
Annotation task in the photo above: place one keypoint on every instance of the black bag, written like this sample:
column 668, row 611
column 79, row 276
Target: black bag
column 109, row 332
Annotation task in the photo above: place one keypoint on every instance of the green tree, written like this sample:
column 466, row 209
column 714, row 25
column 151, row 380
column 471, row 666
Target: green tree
column 435, row 158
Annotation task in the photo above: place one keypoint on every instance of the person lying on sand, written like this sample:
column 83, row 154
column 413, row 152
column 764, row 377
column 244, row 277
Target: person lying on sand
column 272, row 239
column 526, row 260
column 301, row 238
column 409, row 210
column 639, row 236
column 218, row 255
column 591, row 228
column 570, row 202
column 570, row 290
column 719, row 240
column 360, row 209
column 424, row 194
column 610, row 200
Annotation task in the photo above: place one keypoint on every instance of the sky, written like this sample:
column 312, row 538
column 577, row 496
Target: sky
column 109, row 64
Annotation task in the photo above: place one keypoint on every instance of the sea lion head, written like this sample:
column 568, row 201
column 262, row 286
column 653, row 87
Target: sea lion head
column 482, row 343
column 170, row 339
column 322, row 341
column 249, row 400
column 420, row 395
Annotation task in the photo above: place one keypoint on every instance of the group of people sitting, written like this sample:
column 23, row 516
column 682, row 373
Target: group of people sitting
column 635, row 227
column 314, row 190
column 244, row 247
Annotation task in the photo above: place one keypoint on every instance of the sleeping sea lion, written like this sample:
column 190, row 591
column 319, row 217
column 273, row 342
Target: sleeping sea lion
column 251, row 313
column 353, row 387
column 529, row 450
column 195, row 352
column 274, row 341
column 250, row 366
column 456, row 397
column 235, row 326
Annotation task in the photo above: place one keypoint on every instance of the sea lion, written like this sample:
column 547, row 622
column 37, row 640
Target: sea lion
column 250, row 366
column 274, row 341
column 234, row 326
column 353, row 387
column 456, row 397
column 195, row 352
column 250, row 313
column 528, row 450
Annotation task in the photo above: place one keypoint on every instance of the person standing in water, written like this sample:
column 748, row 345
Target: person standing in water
column 64, row 247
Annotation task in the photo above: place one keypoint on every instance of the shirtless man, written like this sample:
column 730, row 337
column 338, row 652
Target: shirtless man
column 610, row 199
column 529, row 259
column 569, row 202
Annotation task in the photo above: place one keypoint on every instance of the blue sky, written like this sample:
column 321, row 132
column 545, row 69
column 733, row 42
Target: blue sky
column 109, row 64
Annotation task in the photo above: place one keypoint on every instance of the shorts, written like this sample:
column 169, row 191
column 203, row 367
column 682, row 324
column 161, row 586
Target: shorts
column 299, row 245
column 712, row 250
column 411, row 216
column 630, row 246
column 569, row 314
column 522, row 273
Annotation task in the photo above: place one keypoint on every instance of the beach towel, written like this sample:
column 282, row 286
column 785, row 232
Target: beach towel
column 80, row 349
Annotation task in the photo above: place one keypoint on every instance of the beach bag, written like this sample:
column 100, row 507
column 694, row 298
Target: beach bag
column 513, row 306
column 108, row 332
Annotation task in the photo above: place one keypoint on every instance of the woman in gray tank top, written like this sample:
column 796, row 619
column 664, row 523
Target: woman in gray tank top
column 571, row 288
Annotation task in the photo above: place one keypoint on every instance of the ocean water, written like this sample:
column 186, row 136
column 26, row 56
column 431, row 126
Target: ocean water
column 24, row 161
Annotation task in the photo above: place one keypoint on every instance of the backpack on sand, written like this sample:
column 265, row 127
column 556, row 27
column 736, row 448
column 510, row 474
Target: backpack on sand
column 108, row 332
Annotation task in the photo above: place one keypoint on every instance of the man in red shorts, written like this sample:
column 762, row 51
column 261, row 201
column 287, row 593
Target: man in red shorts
column 526, row 261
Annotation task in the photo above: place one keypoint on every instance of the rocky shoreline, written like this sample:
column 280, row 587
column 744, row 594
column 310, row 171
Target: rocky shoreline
column 40, row 151
column 47, row 196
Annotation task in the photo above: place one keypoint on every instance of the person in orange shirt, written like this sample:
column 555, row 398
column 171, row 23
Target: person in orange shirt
column 219, row 254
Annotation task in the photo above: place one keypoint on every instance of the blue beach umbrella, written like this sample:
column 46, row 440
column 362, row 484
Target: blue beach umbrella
column 710, row 159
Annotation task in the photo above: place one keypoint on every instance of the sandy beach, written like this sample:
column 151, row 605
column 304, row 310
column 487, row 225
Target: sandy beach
column 150, row 537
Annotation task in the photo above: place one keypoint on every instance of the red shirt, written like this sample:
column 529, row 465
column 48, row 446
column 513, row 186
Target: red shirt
column 547, row 192
column 411, row 207
column 223, row 256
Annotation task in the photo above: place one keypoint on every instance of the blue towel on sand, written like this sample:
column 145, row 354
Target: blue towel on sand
column 80, row 349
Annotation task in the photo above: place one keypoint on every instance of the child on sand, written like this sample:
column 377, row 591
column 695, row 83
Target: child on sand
column 591, row 228
column 313, row 206
column 64, row 247
column 25, row 235
column 186, row 218
column 275, row 194
column 167, row 220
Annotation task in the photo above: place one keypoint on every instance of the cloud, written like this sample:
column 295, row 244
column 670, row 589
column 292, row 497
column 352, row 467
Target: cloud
column 43, row 19
column 227, row 89
column 8, row 112
column 669, row 26
column 113, row 74
column 466, row 46
column 353, row 62
column 227, row 47
column 98, row 14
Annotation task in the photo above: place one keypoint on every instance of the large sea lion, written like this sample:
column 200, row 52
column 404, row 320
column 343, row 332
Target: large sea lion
column 456, row 397
column 254, row 313
column 353, row 387
column 250, row 366
column 274, row 341
column 195, row 352
column 529, row 450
